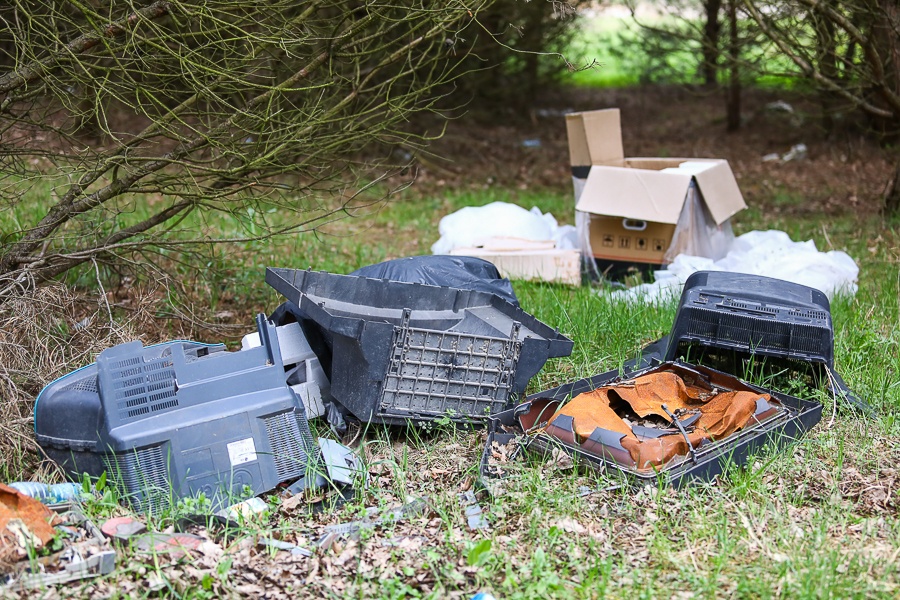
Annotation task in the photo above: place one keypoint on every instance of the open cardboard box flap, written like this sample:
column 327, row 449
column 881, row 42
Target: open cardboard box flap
column 639, row 188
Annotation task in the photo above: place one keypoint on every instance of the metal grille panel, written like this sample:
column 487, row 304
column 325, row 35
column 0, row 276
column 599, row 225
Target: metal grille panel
column 446, row 373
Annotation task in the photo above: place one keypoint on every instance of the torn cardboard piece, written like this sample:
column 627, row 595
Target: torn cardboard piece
column 646, row 210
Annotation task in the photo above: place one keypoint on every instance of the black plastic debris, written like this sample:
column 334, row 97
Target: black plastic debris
column 407, row 351
column 523, row 428
column 178, row 420
column 735, row 322
column 460, row 272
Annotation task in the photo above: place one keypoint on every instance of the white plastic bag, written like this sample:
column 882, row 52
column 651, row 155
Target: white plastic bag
column 474, row 225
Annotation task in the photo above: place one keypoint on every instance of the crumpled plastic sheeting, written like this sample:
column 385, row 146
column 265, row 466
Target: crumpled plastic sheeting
column 722, row 414
column 474, row 225
column 769, row 253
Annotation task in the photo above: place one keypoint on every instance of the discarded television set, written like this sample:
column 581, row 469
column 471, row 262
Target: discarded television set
column 180, row 419
column 742, row 324
column 402, row 352
column 604, row 433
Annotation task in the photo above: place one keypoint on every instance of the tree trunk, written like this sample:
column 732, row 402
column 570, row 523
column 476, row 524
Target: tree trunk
column 733, row 101
column 534, row 30
column 892, row 193
column 711, row 42
column 827, row 60
column 884, row 18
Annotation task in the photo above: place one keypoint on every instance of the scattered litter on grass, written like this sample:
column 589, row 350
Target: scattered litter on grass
column 79, row 549
column 768, row 253
column 475, row 518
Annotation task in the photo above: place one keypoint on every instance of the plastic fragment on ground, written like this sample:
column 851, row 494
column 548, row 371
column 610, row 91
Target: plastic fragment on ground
column 122, row 528
column 95, row 565
column 246, row 509
column 342, row 469
column 769, row 253
column 294, row 549
column 475, row 518
column 85, row 554
column 173, row 545
column 373, row 518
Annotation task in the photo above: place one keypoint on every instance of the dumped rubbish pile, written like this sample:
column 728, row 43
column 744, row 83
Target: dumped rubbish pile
column 40, row 546
column 185, row 420
column 411, row 341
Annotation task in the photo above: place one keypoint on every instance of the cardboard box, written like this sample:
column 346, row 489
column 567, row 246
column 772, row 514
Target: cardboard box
column 634, row 204
column 518, row 258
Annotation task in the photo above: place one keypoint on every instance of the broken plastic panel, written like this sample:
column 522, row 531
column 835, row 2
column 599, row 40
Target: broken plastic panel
column 343, row 469
column 407, row 351
column 303, row 371
column 776, row 421
column 744, row 324
column 179, row 420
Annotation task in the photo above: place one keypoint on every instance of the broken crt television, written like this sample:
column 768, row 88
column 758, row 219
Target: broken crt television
column 675, row 421
column 750, row 325
column 180, row 419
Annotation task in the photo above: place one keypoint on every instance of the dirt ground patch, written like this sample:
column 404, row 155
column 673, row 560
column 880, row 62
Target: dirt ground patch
column 845, row 172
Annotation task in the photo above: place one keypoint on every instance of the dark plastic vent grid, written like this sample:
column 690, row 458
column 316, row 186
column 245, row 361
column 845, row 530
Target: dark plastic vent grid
column 143, row 386
column 141, row 477
column 752, row 332
column 732, row 303
column 87, row 384
column 291, row 442
column 808, row 314
column 443, row 372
